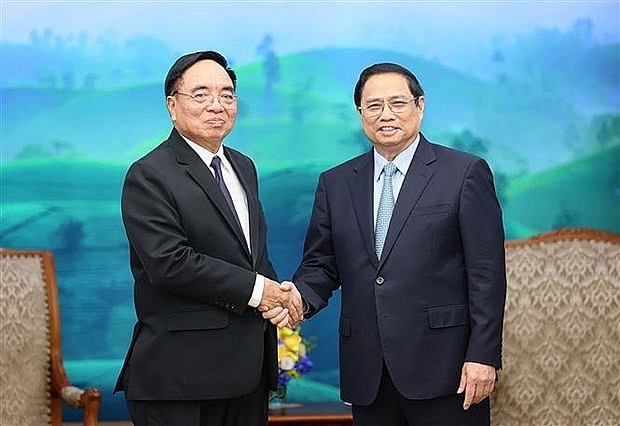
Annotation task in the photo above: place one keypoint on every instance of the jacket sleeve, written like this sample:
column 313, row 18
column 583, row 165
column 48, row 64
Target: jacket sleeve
column 482, row 233
column 317, row 276
column 264, row 265
column 164, row 252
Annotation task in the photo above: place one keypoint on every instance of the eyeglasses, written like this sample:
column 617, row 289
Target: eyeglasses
column 226, row 99
column 396, row 105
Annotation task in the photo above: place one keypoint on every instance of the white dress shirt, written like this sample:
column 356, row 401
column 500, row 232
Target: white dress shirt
column 402, row 162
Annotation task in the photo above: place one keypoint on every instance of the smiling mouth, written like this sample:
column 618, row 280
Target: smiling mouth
column 387, row 128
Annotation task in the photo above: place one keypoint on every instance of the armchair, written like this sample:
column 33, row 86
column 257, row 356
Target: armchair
column 561, row 331
column 33, row 382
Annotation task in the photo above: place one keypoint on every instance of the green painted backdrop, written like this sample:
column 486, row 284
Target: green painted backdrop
column 79, row 103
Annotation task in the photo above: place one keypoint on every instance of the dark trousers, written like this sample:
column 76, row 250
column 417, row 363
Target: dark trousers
column 391, row 408
column 247, row 410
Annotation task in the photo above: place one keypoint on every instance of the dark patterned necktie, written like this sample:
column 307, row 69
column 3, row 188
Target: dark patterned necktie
column 216, row 164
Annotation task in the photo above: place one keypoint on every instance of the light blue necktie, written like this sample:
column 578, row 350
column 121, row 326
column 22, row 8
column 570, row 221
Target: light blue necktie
column 386, row 206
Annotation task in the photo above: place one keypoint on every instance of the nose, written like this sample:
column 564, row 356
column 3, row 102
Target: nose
column 386, row 110
column 215, row 104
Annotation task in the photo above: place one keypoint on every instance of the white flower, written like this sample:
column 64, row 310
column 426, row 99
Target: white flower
column 287, row 363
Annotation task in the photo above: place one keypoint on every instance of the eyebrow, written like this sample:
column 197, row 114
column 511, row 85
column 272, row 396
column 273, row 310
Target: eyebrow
column 229, row 88
column 390, row 98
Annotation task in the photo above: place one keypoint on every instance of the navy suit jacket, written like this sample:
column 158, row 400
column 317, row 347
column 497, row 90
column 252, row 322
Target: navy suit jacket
column 195, row 337
column 435, row 299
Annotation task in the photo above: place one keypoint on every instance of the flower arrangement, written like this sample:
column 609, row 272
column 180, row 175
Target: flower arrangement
column 293, row 360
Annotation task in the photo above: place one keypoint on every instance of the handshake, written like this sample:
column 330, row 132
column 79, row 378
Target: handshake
column 281, row 304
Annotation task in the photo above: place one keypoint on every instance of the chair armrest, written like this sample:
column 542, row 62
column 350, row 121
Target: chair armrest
column 90, row 402
column 87, row 399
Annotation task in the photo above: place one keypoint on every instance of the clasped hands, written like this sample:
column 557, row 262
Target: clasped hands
column 281, row 304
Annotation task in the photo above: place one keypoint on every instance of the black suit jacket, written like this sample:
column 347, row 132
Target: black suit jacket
column 436, row 298
column 195, row 337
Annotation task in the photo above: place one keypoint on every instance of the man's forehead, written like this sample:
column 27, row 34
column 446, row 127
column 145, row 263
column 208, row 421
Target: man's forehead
column 385, row 79
column 207, row 71
column 386, row 85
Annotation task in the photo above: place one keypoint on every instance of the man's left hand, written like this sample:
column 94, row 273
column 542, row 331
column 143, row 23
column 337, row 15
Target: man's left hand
column 478, row 381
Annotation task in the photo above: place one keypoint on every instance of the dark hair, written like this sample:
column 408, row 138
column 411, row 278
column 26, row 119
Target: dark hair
column 386, row 68
column 186, row 61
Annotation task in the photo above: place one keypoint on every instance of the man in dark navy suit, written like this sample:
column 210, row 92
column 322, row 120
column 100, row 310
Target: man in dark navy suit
column 201, row 354
column 412, row 233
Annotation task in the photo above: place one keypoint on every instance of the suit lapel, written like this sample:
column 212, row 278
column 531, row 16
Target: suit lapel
column 416, row 180
column 361, row 183
column 252, row 198
column 201, row 174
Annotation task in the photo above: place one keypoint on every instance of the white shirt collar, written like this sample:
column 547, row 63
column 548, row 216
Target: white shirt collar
column 207, row 156
column 402, row 161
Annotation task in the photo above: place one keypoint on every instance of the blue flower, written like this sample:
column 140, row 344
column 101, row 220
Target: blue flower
column 283, row 379
column 304, row 365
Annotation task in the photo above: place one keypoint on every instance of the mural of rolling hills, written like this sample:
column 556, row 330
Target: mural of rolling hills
column 65, row 152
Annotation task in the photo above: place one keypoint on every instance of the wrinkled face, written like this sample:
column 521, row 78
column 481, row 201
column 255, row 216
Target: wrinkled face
column 390, row 132
column 209, row 122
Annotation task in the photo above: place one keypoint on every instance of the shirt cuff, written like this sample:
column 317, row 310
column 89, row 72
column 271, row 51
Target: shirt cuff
column 257, row 292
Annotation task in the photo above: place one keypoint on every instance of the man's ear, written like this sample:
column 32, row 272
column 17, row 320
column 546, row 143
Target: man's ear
column 421, row 103
column 171, row 104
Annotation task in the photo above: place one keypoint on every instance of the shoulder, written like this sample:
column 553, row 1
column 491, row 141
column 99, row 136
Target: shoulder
column 447, row 153
column 163, row 160
column 237, row 156
column 165, row 151
column 157, row 153
column 156, row 160
column 456, row 160
column 353, row 165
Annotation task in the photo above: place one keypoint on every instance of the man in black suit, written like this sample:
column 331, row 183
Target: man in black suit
column 200, row 354
column 412, row 233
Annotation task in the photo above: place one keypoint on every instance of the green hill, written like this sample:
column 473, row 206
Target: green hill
column 311, row 103
column 61, row 204
column 583, row 192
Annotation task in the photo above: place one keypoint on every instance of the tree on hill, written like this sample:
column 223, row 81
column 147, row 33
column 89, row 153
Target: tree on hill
column 358, row 138
column 550, row 59
column 606, row 128
column 70, row 234
column 565, row 218
column 31, row 151
column 271, row 70
column 300, row 103
column 62, row 147
column 573, row 140
column 468, row 142
column 90, row 81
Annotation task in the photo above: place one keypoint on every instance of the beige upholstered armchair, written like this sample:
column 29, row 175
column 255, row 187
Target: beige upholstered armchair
column 33, row 382
column 561, row 331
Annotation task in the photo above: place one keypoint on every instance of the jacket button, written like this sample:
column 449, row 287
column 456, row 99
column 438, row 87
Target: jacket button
column 380, row 281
